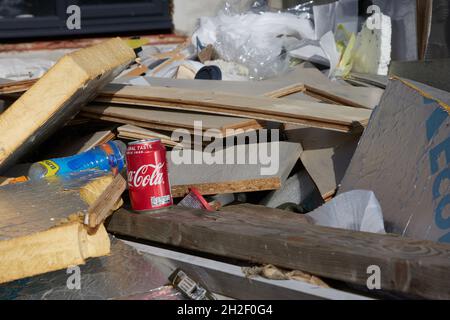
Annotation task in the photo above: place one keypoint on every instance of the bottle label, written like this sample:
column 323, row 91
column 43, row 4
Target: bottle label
column 51, row 166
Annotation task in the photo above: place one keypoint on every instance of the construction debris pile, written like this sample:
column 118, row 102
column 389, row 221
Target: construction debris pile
column 287, row 148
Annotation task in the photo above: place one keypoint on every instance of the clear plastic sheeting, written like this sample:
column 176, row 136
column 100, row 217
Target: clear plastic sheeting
column 24, row 69
column 232, row 7
column 259, row 41
column 322, row 52
column 357, row 210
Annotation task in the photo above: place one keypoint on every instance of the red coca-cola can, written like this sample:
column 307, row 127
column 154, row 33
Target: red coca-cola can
column 148, row 178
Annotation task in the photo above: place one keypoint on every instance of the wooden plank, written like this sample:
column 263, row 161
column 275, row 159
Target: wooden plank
column 256, row 214
column 41, row 225
column 138, row 70
column 16, row 86
column 58, row 96
column 373, row 80
column 230, row 178
column 231, row 186
column 314, row 111
column 163, row 127
column 406, row 264
column 356, row 126
column 286, row 91
column 305, row 74
column 424, row 21
column 319, row 85
column 134, row 123
column 108, row 201
column 170, row 118
column 130, row 132
column 326, row 154
column 282, row 110
column 96, row 139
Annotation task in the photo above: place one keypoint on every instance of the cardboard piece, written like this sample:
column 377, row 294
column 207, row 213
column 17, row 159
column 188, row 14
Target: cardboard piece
column 404, row 157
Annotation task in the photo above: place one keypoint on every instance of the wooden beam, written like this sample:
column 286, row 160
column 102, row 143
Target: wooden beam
column 408, row 266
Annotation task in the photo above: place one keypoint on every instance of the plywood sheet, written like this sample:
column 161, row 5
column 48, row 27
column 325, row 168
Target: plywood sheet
column 279, row 110
column 404, row 156
column 130, row 132
column 170, row 118
column 307, row 75
column 231, row 178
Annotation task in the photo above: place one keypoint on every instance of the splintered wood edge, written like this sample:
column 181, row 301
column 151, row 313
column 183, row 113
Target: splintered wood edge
column 103, row 195
column 16, row 86
column 286, row 91
column 332, row 98
column 309, row 121
column 250, row 185
column 108, row 201
column 90, row 192
column 227, row 131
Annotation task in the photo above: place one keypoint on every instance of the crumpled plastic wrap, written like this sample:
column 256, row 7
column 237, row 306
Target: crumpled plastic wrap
column 357, row 210
column 24, row 69
column 257, row 39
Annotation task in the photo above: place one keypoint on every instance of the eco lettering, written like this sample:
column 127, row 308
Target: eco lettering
column 442, row 150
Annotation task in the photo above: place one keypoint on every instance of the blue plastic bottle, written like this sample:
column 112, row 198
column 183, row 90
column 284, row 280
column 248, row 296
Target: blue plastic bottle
column 107, row 157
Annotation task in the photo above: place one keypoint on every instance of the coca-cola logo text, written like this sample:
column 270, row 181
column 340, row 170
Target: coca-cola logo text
column 144, row 176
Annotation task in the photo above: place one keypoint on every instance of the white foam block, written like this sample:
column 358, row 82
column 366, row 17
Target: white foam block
column 373, row 46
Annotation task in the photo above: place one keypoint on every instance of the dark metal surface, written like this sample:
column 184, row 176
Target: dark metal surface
column 97, row 17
